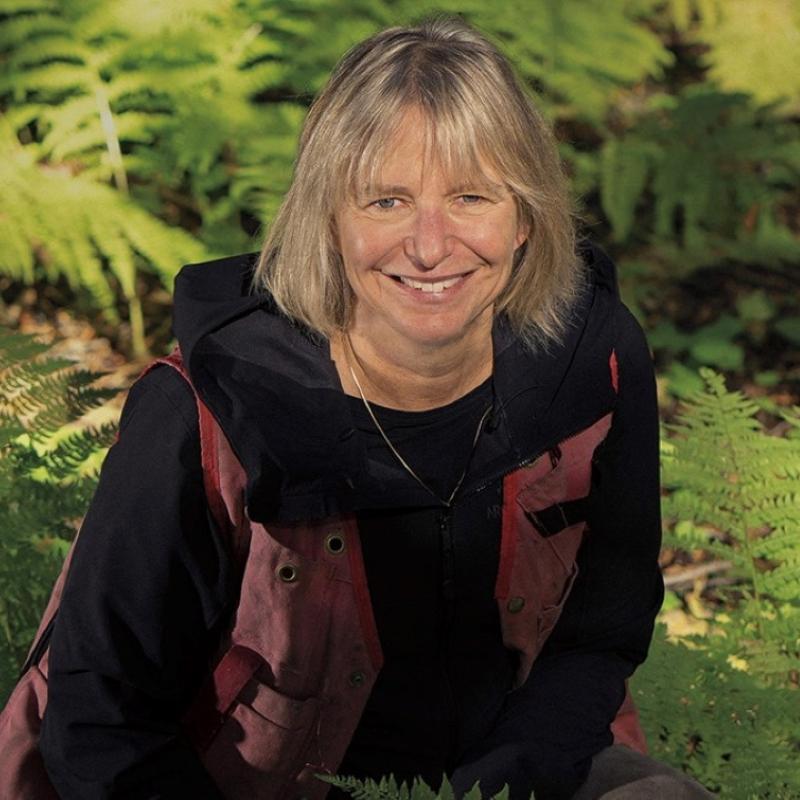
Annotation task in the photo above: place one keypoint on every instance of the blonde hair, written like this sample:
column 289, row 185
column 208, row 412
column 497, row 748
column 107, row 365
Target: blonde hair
column 474, row 109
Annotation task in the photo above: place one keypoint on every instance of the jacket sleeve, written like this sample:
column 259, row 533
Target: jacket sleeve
column 554, row 724
column 141, row 612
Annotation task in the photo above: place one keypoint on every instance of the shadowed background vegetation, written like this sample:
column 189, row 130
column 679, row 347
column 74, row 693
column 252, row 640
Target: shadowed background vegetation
column 136, row 136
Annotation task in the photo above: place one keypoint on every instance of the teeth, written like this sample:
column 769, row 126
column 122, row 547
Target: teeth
column 429, row 288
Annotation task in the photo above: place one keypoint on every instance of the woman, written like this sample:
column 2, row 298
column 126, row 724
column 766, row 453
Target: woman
column 447, row 430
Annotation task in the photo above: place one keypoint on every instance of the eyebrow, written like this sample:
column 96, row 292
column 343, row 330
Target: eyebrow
column 386, row 190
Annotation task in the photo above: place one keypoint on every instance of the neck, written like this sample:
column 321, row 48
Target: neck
column 411, row 381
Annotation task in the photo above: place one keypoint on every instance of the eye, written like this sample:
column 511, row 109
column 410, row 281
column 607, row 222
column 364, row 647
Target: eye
column 385, row 203
column 471, row 199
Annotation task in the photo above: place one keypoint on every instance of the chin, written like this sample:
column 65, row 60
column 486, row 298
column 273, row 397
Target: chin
column 425, row 336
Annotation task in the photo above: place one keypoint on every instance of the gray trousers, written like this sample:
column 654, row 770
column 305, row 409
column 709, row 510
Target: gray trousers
column 619, row 773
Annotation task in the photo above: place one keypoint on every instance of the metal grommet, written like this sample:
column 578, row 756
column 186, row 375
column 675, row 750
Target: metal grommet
column 357, row 678
column 287, row 573
column 334, row 543
column 516, row 604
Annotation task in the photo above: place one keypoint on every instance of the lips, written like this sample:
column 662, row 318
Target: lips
column 428, row 287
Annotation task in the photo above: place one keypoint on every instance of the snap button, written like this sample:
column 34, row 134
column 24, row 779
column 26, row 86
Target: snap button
column 357, row 678
column 287, row 573
column 516, row 604
column 334, row 543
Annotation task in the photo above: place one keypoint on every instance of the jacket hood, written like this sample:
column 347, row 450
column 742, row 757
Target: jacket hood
column 276, row 394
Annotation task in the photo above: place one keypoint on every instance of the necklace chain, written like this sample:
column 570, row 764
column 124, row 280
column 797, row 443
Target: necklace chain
column 393, row 449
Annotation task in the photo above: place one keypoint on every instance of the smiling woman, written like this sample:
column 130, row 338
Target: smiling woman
column 455, row 107
column 394, row 507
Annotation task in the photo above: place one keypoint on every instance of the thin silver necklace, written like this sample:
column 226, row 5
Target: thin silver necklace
column 393, row 449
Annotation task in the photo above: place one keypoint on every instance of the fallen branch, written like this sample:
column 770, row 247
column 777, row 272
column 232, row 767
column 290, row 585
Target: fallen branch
column 691, row 574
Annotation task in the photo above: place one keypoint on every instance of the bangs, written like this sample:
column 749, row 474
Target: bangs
column 451, row 142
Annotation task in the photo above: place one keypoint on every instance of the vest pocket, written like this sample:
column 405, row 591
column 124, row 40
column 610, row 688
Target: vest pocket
column 260, row 747
column 549, row 614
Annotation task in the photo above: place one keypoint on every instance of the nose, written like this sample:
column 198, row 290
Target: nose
column 429, row 242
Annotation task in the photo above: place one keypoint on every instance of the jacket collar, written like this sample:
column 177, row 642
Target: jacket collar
column 276, row 394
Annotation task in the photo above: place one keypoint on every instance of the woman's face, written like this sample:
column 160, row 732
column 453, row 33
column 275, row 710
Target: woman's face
column 426, row 258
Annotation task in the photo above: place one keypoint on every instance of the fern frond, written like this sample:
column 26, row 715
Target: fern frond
column 737, row 59
column 716, row 722
column 43, row 492
column 73, row 451
column 15, row 349
column 711, row 158
column 76, row 226
column 732, row 486
column 387, row 788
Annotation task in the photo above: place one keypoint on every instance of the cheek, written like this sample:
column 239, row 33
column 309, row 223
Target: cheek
column 493, row 242
column 363, row 247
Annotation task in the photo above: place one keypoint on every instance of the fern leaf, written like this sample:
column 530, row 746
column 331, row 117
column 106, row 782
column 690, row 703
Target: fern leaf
column 729, row 477
column 624, row 170
column 43, row 493
column 738, row 59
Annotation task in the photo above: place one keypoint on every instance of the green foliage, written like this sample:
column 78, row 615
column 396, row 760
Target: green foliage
column 789, row 328
column 156, row 99
column 718, row 723
column 388, row 789
column 720, row 173
column 47, row 477
column 755, row 48
column 56, row 225
column 724, row 707
column 735, row 491
column 560, row 48
column 710, row 345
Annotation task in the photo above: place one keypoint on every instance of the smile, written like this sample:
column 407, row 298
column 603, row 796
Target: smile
column 429, row 287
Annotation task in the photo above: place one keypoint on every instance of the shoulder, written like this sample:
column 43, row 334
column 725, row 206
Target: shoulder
column 628, row 341
column 165, row 397
column 228, row 276
column 599, row 266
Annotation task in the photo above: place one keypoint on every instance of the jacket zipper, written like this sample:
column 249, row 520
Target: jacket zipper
column 448, row 603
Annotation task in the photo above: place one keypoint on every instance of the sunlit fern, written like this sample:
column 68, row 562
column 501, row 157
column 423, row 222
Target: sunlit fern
column 48, row 471
column 735, row 492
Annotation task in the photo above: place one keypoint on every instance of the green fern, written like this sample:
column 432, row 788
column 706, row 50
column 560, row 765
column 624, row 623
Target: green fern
column 47, row 476
column 718, row 723
column 726, row 473
column 735, row 492
column 159, row 100
column 717, row 169
column 755, row 48
column 559, row 48
column 56, row 225
column 387, row 788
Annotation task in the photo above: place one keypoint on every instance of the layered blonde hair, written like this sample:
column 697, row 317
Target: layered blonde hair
column 475, row 110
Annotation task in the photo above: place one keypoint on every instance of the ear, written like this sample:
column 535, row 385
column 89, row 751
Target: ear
column 523, row 231
column 524, row 224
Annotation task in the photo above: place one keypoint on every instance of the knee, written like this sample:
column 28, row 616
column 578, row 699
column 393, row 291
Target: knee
column 659, row 787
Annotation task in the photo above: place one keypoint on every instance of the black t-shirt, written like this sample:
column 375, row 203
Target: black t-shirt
column 431, row 573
